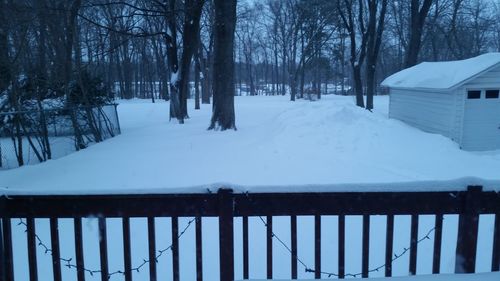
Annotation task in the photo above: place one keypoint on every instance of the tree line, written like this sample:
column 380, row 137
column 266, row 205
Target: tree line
column 210, row 50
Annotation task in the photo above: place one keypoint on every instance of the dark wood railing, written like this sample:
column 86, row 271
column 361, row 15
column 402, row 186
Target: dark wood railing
column 227, row 205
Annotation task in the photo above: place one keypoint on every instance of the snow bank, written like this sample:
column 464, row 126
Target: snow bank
column 280, row 146
column 441, row 75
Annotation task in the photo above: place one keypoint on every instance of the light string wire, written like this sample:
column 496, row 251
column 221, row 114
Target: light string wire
column 68, row 262
column 308, row 269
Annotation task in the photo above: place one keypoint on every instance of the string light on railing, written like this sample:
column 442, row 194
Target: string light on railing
column 354, row 275
column 68, row 262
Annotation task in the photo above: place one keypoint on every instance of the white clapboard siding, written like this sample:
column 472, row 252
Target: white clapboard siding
column 428, row 110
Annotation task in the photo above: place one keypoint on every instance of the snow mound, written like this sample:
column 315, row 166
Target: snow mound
column 441, row 75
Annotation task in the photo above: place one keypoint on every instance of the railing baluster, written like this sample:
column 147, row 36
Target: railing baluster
column 32, row 249
column 269, row 246
column 7, row 244
column 175, row 248
column 199, row 249
column 152, row 248
column 103, row 249
column 341, row 246
column 317, row 246
column 245, row 249
column 495, row 263
column 127, row 253
column 438, row 232
column 389, row 243
column 80, row 264
column 413, row 244
column 366, row 246
column 293, row 232
column 56, row 255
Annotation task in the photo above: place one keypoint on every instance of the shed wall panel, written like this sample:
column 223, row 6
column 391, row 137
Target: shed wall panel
column 428, row 110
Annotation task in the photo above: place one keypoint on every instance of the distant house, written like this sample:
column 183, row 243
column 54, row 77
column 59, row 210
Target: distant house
column 458, row 99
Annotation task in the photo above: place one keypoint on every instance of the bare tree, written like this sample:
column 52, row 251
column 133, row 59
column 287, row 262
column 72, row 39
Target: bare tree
column 352, row 15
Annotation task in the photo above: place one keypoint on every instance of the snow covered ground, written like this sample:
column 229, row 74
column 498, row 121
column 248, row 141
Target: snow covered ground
column 277, row 143
column 328, row 144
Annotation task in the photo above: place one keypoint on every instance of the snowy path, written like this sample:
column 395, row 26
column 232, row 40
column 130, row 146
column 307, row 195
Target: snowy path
column 277, row 143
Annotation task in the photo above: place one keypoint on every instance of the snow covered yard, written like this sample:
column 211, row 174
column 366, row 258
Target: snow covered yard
column 277, row 143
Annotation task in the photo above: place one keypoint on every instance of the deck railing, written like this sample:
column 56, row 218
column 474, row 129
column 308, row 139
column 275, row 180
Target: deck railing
column 226, row 205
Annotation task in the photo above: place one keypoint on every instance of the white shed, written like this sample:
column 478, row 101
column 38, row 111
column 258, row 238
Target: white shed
column 458, row 99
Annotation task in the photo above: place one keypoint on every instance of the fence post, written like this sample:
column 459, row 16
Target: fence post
column 468, row 222
column 226, row 244
column 117, row 119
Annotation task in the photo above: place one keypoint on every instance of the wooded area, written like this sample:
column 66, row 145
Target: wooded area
column 86, row 52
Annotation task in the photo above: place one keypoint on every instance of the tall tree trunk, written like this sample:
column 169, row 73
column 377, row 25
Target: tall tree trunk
column 301, row 65
column 292, row 66
column 223, row 116
column 42, row 78
column 190, row 37
column 375, row 32
column 173, row 63
column 205, row 85
column 70, row 35
column 197, row 70
column 358, row 84
column 283, row 72
column 5, row 71
column 357, row 58
column 68, row 67
column 417, row 21
column 276, row 70
column 250, row 80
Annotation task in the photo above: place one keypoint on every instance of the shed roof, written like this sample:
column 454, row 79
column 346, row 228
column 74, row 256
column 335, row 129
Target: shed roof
column 442, row 75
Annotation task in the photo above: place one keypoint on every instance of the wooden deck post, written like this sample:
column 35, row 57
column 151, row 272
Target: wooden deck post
column 226, row 239
column 468, row 223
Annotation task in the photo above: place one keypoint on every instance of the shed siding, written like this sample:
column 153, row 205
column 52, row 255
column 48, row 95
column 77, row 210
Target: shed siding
column 460, row 98
column 428, row 110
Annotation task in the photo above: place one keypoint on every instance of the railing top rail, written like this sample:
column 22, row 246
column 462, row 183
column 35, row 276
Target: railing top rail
column 247, row 204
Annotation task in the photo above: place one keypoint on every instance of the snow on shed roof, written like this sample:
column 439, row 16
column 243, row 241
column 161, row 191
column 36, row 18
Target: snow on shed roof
column 441, row 75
